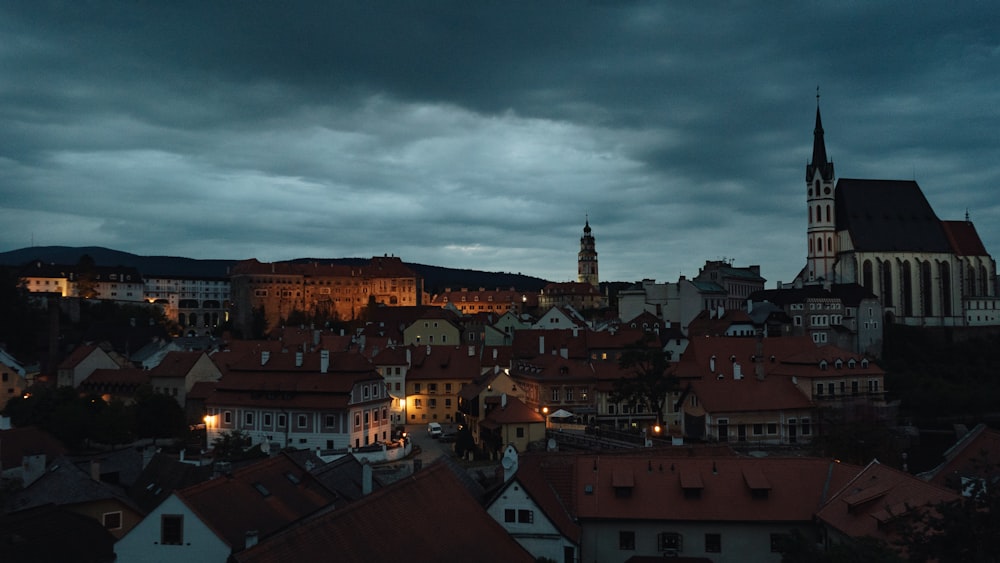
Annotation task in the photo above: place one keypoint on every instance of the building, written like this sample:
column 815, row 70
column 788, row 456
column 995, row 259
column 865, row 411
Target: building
column 884, row 235
column 500, row 301
column 848, row 316
column 81, row 363
column 334, row 291
column 579, row 295
column 586, row 259
column 194, row 302
column 306, row 400
column 738, row 283
column 109, row 283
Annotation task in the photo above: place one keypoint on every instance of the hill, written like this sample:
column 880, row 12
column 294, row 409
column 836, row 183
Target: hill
column 436, row 278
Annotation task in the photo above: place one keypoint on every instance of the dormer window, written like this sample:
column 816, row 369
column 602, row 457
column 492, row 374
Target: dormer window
column 864, row 362
column 851, row 363
column 839, row 363
column 822, row 365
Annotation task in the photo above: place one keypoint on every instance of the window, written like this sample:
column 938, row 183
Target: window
column 172, row 529
column 112, row 520
column 416, row 387
column 520, row 432
column 302, row 421
column 267, row 419
column 509, row 515
column 772, row 427
column 281, row 421
column 432, row 403
column 227, row 417
column 555, row 394
column 670, row 541
column 432, row 387
column 626, row 540
column 806, row 428
column 713, row 543
column 418, row 403
column 611, row 409
column 248, row 419
column 525, row 516
column 758, row 429
column 329, row 420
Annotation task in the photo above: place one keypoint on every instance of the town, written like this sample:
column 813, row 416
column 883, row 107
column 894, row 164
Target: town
column 293, row 410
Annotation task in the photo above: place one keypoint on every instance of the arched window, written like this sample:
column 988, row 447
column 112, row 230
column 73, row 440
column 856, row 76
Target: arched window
column 887, row 284
column 819, row 245
column 829, row 244
column 971, row 280
column 945, row 271
column 926, row 291
column 983, row 281
column 866, row 276
column 810, row 246
column 827, row 213
column 819, row 213
column 906, row 286
column 810, row 214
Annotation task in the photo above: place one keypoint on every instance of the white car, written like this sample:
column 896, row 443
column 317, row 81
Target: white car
column 434, row 429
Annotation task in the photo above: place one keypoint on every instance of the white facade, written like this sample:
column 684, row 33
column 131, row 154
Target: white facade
column 151, row 541
column 525, row 521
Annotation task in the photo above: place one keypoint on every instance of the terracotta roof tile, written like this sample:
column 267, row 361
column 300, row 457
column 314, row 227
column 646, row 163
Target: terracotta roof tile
column 368, row 530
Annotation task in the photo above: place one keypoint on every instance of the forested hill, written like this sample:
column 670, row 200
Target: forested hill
column 436, row 278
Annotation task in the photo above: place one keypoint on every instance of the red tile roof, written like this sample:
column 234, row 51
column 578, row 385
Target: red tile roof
column 132, row 377
column 877, row 495
column 428, row 516
column 749, row 394
column 969, row 457
column 258, row 497
column 79, row 354
column 719, row 488
column 19, row 442
column 176, row 364
column 541, row 475
column 515, row 412
column 964, row 239
column 443, row 362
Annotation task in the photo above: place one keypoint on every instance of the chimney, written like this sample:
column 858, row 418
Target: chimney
column 408, row 356
column 472, row 350
column 759, row 357
column 298, row 359
column 251, row 539
column 316, row 336
column 737, row 372
column 564, row 352
column 503, row 401
column 495, row 353
column 265, row 355
column 711, row 363
column 541, row 344
column 324, row 361
column 366, row 478
column 428, row 350
column 95, row 470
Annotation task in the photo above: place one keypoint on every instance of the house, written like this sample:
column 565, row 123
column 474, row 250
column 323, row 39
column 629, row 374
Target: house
column 529, row 508
column 848, row 316
column 393, row 363
column 673, row 502
column 13, row 382
column 81, row 363
column 435, row 376
column 499, row 301
column 473, row 398
column 26, row 452
column 307, row 400
column 579, row 295
column 722, row 322
column 212, row 520
column 436, row 327
column 971, row 460
column 560, row 318
column 66, row 485
column 428, row 516
column 737, row 282
column 510, row 422
column 178, row 372
column 115, row 384
column 872, row 500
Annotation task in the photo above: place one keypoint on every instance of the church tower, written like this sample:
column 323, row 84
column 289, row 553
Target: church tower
column 586, row 260
column 822, row 229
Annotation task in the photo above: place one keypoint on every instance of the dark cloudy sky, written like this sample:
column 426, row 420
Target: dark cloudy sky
column 481, row 134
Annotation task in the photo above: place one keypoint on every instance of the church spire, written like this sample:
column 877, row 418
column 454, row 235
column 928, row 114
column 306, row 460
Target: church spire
column 819, row 160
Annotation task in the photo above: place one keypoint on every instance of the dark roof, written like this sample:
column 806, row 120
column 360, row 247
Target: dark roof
column 888, row 215
column 438, row 519
column 52, row 533
column 162, row 477
column 819, row 153
column 964, row 238
column 64, row 483
column 850, row 294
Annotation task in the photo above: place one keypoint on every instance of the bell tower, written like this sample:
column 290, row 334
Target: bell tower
column 822, row 227
column 586, row 259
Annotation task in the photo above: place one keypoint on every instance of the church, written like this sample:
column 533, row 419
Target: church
column 884, row 235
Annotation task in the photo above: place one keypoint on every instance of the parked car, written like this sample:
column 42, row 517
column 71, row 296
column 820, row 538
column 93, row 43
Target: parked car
column 434, row 429
column 448, row 437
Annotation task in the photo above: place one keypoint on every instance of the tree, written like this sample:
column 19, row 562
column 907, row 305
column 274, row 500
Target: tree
column 231, row 445
column 965, row 530
column 650, row 378
column 158, row 415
